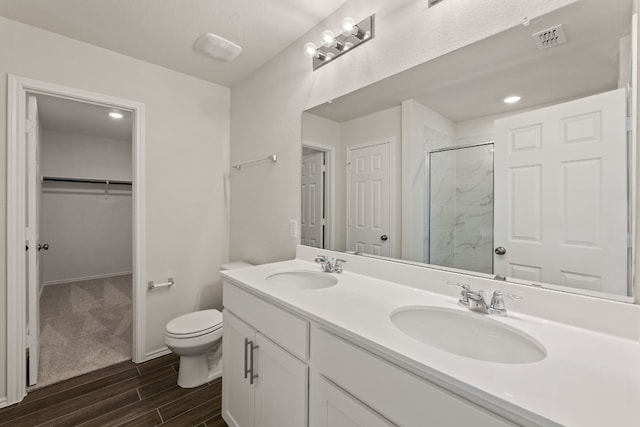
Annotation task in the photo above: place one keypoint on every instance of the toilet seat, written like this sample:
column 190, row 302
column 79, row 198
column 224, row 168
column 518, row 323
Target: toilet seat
column 194, row 324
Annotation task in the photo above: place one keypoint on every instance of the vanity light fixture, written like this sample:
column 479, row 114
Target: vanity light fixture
column 116, row 115
column 332, row 45
column 512, row 99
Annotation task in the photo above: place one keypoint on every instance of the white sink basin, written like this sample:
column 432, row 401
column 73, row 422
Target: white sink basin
column 468, row 334
column 302, row 279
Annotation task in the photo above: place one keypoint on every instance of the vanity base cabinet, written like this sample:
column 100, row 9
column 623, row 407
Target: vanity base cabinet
column 393, row 392
column 264, row 384
column 332, row 407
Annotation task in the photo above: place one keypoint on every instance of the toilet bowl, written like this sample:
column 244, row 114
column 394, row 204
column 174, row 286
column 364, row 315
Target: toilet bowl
column 193, row 337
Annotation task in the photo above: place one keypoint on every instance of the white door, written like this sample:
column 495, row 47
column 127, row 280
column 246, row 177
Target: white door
column 281, row 387
column 34, row 190
column 237, row 397
column 332, row 407
column 561, row 194
column 369, row 195
column 312, row 223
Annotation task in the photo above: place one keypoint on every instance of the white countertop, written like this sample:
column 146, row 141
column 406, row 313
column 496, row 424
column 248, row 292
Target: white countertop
column 587, row 378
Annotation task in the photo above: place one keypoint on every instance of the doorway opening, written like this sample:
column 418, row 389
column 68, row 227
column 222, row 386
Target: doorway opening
column 318, row 188
column 82, row 221
column 75, row 202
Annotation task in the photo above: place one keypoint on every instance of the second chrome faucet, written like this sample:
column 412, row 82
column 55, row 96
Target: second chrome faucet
column 475, row 301
column 330, row 265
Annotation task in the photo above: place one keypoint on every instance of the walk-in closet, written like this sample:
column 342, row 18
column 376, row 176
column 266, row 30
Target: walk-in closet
column 84, row 205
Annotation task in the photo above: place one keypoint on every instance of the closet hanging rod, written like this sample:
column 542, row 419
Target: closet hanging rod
column 86, row 180
column 273, row 158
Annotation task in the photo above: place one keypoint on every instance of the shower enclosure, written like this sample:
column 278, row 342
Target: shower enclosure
column 460, row 207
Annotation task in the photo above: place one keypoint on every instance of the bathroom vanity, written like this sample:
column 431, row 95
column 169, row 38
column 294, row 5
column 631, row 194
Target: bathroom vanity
column 304, row 347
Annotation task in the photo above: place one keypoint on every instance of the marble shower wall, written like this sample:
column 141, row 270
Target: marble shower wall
column 461, row 208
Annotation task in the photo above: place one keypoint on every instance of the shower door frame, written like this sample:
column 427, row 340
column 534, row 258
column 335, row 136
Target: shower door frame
column 18, row 90
column 427, row 250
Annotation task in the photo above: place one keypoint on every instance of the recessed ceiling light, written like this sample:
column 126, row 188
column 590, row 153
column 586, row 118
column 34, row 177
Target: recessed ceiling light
column 115, row 115
column 512, row 99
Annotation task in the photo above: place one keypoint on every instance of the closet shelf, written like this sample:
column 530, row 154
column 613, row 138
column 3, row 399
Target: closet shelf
column 85, row 180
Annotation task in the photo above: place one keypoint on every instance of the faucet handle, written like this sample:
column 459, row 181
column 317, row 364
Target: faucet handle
column 337, row 265
column 497, row 302
column 321, row 259
column 464, row 293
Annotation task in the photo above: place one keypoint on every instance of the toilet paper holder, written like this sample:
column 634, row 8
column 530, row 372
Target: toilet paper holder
column 152, row 285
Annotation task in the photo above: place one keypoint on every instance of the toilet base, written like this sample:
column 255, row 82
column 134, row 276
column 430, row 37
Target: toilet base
column 194, row 371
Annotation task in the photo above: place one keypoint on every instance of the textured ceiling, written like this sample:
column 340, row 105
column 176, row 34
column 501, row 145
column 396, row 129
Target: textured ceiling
column 163, row 32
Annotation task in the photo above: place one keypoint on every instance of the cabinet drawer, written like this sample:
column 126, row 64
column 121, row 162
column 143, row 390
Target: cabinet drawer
column 393, row 392
column 286, row 329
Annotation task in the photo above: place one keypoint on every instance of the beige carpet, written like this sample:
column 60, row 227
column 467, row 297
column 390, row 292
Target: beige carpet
column 84, row 326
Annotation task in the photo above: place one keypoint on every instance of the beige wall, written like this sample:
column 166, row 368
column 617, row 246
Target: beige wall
column 187, row 163
column 266, row 107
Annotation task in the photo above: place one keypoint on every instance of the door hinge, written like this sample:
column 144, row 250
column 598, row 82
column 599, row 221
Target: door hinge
column 629, row 124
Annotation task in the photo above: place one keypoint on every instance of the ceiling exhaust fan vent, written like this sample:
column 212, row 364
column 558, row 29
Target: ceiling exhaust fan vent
column 550, row 37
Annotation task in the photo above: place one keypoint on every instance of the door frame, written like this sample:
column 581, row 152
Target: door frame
column 329, row 190
column 395, row 246
column 18, row 90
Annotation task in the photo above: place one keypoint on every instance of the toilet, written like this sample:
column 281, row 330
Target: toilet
column 197, row 338
column 192, row 336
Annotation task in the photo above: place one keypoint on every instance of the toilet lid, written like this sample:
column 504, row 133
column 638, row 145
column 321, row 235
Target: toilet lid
column 197, row 322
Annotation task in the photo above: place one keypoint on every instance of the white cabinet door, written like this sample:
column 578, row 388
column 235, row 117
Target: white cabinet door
column 237, row 392
column 281, row 392
column 332, row 407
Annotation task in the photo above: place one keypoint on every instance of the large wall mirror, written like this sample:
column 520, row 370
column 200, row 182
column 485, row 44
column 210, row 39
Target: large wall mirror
column 432, row 166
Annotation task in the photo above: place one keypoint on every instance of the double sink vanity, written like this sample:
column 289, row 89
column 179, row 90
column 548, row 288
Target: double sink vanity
column 386, row 343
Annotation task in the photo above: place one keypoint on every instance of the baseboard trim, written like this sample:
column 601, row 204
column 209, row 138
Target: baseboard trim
column 78, row 279
column 156, row 353
column 4, row 402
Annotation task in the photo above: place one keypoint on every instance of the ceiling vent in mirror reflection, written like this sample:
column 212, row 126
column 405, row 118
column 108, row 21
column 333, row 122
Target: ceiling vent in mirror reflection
column 550, row 37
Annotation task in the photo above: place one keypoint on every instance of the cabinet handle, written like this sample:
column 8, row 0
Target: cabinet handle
column 246, row 370
column 252, row 376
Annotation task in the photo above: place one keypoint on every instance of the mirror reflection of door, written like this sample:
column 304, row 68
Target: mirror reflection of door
column 369, row 198
column 313, row 198
column 461, row 207
column 561, row 194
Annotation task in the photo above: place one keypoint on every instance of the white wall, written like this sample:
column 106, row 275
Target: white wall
column 89, row 234
column 266, row 107
column 187, row 164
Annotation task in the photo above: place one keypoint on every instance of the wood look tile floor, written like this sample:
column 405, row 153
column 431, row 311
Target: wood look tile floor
column 125, row 394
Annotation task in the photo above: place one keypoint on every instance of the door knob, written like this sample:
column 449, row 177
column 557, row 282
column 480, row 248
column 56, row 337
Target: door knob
column 500, row 250
column 45, row 247
column 384, row 237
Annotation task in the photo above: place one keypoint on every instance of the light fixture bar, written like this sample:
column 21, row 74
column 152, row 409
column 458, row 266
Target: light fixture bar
column 362, row 32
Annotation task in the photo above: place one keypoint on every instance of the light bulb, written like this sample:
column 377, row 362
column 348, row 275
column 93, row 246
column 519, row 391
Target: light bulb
column 329, row 56
column 348, row 45
column 328, row 38
column 512, row 99
column 311, row 50
column 348, row 24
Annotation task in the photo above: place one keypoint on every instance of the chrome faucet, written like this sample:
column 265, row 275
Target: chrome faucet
column 330, row 265
column 474, row 300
